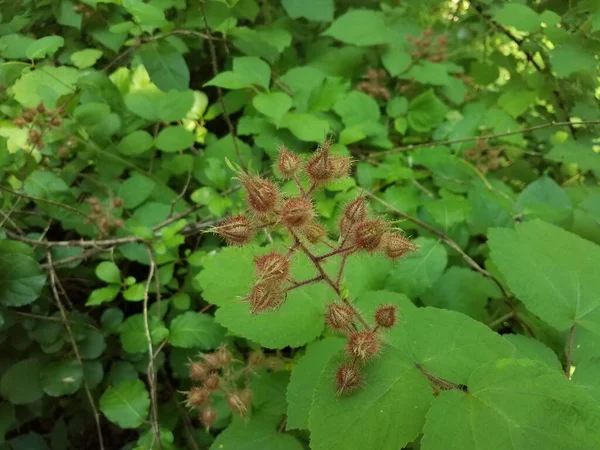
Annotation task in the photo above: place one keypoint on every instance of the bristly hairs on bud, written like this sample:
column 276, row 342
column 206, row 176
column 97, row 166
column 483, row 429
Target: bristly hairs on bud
column 348, row 379
column 319, row 168
column 340, row 318
column 207, row 417
column 288, row 163
column 396, row 246
column 363, row 345
column 262, row 195
column 196, row 397
column 386, row 316
column 198, row 371
column 223, row 356
column 368, row 234
column 272, row 267
column 265, row 297
column 314, row 233
column 239, row 402
column 212, row 382
column 341, row 166
column 353, row 213
column 297, row 212
column 235, row 230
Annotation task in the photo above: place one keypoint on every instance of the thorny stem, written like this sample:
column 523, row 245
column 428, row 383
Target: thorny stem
column 335, row 252
column 302, row 191
column 341, row 271
column 569, row 355
column 305, row 282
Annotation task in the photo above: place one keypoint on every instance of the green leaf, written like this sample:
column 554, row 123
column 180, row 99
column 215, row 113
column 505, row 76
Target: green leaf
column 136, row 190
column 463, row 290
column 133, row 333
column 298, row 321
column 357, row 108
column 175, row 105
column 546, row 200
column 21, row 279
column 577, row 152
column 426, row 111
column 86, row 58
column 61, row 378
column 553, row 272
column 20, row 383
column 513, row 405
column 45, row 46
column 174, row 139
column 396, row 61
column 57, row 82
column 103, row 295
column 126, row 404
column 359, row 27
column 195, row 330
column 587, row 376
column 145, row 14
column 417, row 272
column 135, row 293
column 518, row 16
column 305, row 377
column 165, row 65
column 315, row 10
column 253, row 69
column 273, row 105
column 386, row 413
column 517, row 102
column 108, row 271
column 530, row 348
column 306, row 127
column 569, row 59
column 136, row 143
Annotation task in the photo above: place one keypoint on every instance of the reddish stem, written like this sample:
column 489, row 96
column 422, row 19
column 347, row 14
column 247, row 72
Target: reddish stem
column 304, row 283
column 335, row 252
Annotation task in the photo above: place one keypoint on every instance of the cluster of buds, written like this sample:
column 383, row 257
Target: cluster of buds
column 484, row 156
column 359, row 232
column 364, row 340
column 36, row 120
column 217, row 372
column 429, row 47
column 374, row 84
column 84, row 9
column 103, row 217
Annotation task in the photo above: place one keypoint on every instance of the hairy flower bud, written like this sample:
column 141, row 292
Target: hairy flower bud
column 198, row 371
column 262, row 195
column 265, row 297
column 320, row 168
column 272, row 267
column 223, row 356
column 369, row 234
column 236, row 230
column 314, row 233
column 212, row 382
column 288, row 163
column 239, row 402
column 211, row 361
column 339, row 317
column 207, row 417
column 356, row 210
column 348, row 379
column 196, row 397
column 340, row 167
column 396, row 246
column 256, row 359
column 363, row 345
column 386, row 316
column 297, row 212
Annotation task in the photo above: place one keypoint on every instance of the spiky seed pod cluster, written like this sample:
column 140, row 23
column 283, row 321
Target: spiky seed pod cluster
column 340, row 317
column 428, row 46
column 214, row 372
column 386, row 316
column 348, row 379
column 297, row 212
column 324, row 167
column 102, row 216
column 363, row 345
column 236, row 230
column 374, row 84
column 262, row 195
column 38, row 120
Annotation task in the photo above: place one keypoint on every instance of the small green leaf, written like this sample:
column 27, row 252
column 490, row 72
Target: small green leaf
column 195, row 330
column 21, row 279
column 360, row 27
column 136, row 190
column 273, row 105
column 175, row 105
column 45, row 46
column 108, row 271
column 306, row 127
column 165, row 65
column 396, row 61
column 518, row 16
column 126, row 404
column 61, row 377
column 136, row 143
column 20, row 383
column 103, row 295
column 145, row 14
column 135, row 293
column 86, row 58
column 315, row 10
column 133, row 333
column 174, row 139
column 426, row 111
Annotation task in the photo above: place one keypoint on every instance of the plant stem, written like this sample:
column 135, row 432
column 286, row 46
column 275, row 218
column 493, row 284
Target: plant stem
column 569, row 355
column 304, row 283
column 505, row 317
column 335, row 252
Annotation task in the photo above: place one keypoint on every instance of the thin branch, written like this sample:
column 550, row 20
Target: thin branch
column 65, row 320
column 501, row 320
column 304, row 283
column 569, row 355
column 337, row 251
column 486, row 137
column 439, row 382
column 215, row 70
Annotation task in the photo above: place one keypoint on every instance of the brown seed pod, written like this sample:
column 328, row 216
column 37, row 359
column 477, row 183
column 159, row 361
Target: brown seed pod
column 198, row 371
column 356, row 210
column 236, row 403
column 363, row 345
column 97, row 208
column 396, row 246
column 341, row 167
column 196, row 397
column 118, row 223
column 235, row 230
column 272, row 267
column 117, row 202
column 296, row 212
column 339, row 317
column 56, row 121
column 28, row 115
column 41, row 108
column 386, row 316
column 223, row 356
column 348, row 379
column 63, row 152
column 211, row 361
column 288, row 163
column 319, row 168
column 262, row 195
column 314, row 233
column 212, row 382
column 369, row 234
column 19, row 122
column 207, row 417
column 266, row 297
column 256, row 359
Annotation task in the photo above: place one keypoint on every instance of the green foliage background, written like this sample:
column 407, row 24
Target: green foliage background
column 483, row 147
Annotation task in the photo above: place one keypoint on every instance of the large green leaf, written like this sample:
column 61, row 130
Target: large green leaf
column 20, row 383
column 426, row 111
column 126, row 404
column 518, row 16
column 195, row 330
column 133, row 333
column 316, row 10
column 21, row 279
column 61, row 377
column 45, row 46
column 513, row 405
column 359, row 27
column 165, row 65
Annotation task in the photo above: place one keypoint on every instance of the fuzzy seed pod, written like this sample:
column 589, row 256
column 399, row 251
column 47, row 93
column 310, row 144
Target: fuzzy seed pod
column 297, row 212
column 386, row 316
column 272, row 267
column 97, row 208
column 207, row 417
column 212, row 382
column 239, row 403
column 19, row 122
column 56, row 121
column 236, row 230
column 339, row 317
column 356, row 210
column 63, row 152
column 196, row 397
column 92, row 201
column 319, row 168
column 396, row 246
column 198, row 371
column 266, row 297
column 41, row 108
column 262, row 195
column 117, row 202
column 348, row 379
column 369, row 234
column 340, row 167
column 314, row 233
column 118, row 223
column 28, row 115
column 34, row 135
column 273, row 363
column 256, row 359
column 363, row 345
column 211, row 361
column 288, row 163
column 223, row 356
